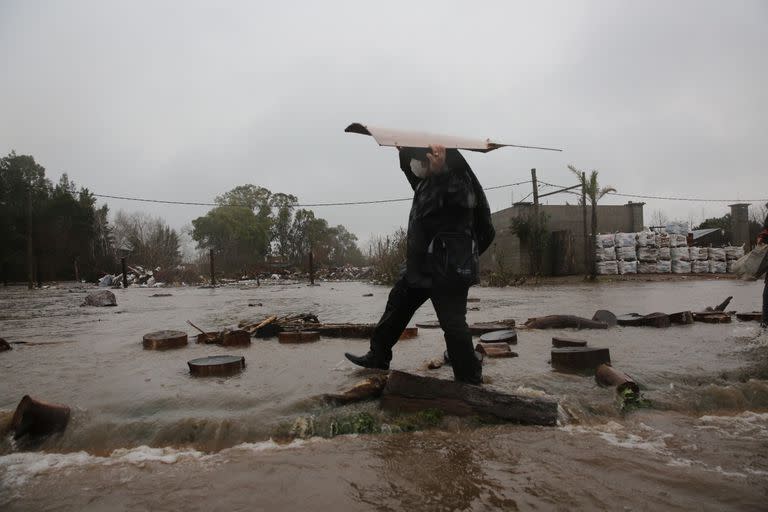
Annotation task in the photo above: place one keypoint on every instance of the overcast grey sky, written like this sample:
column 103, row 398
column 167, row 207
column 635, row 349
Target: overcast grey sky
column 185, row 100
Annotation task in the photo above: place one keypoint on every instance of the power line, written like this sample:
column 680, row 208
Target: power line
column 668, row 198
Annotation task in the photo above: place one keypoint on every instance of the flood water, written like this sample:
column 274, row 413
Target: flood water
column 144, row 435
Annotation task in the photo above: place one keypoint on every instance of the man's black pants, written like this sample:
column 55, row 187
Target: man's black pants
column 451, row 308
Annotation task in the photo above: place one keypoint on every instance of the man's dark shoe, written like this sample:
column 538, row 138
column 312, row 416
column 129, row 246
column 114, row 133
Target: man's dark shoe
column 367, row 361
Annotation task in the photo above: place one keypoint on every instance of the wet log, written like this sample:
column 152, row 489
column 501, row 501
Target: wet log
column 579, row 359
column 216, row 366
column 603, row 315
column 367, row 389
column 162, row 295
column 164, row 340
column 607, row 375
column 37, row 418
column 724, row 304
column 298, row 336
column 345, row 330
column 255, row 328
column 564, row 322
column 712, row 317
column 429, row 324
column 235, row 338
column 409, row 333
column 559, row 342
column 101, row 298
column 755, row 316
column 4, row 345
column 505, row 336
column 208, row 337
column 405, row 392
column 480, row 328
column 473, row 299
column 681, row 318
column 658, row 320
column 495, row 349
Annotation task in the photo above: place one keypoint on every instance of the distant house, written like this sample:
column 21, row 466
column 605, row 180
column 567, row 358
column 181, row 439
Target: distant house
column 708, row 237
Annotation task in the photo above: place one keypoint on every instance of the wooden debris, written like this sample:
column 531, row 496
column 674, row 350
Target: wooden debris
column 495, row 349
column 210, row 337
column 434, row 364
column 237, row 337
column 506, row 336
column 345, row 330
column 724, row 304
column 607, row 375
column 163, row 340
column 480, row 328
column 560, row 342
column 712, row 317
column 253, row 328
column 473, row 299
column 564, row 322
column 681, row 318
column 409, row 333
column 161, row 295
column 755, row 316
column 101, row 298
column 4, row 345
column 652, row 320
column 408, row 393
column 298, row 336
column 579, row 359
column 364, row 390
column 216, row 366
column 603, row 315
column 37, row 418
column 429, row 324
column 367, row 295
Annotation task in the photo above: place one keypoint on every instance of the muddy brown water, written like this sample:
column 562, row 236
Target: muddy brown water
column 144, row 435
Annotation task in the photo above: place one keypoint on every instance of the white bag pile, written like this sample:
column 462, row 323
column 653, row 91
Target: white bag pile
column 700, row 266
column 734, row 252
column 664, row 266
column 716, row 254
column 644, row 267
column 605, row 268
column 677, row 228
column 678, row 240
column 717, row 267
column 647, row 252
column 646, row 239
column 680, row 266
column 680, row 254
column 627, row 267
column 604, row 248
column 699, row 253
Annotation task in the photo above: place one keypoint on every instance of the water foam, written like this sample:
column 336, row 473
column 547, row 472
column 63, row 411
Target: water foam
column 747, row 425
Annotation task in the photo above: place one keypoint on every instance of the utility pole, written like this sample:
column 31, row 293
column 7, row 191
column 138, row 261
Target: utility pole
column 30, row 252
column 587, row 250
column 311, row 266
column 536, row 263
column 213, row 272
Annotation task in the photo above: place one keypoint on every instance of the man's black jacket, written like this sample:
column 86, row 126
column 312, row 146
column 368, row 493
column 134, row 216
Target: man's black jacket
column 450, row 202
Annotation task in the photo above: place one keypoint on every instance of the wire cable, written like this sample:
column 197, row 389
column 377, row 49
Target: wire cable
column 669, row 198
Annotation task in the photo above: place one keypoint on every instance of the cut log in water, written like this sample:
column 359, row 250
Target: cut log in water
column 236, row 338
column 579, row 359
column 208, row 337
column 681, row 318
column 505, row 336
column 363, row 331
column 564, row 322
column 164, row 340
column 724, row 304
column 480, row 328
column 216, row 366
column 755, row 316
column 405, row 392
column 298, row 336
column 659, row 320
column 37, row 418
column 367, row 389
column 429, row 324
column 409, row 333
column 712, row 317
column 607, row 375
column 603, row 315
column 495, row 349
column 559, row 342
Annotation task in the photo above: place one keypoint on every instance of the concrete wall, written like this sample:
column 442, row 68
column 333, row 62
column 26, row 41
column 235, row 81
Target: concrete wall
column 507, row 247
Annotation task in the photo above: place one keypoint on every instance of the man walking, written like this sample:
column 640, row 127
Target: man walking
column 449, row 226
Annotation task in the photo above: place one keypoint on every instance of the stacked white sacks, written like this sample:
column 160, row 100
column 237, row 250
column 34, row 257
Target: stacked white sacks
column 732, row 253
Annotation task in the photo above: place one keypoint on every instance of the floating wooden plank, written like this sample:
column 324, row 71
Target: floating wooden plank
column 681, row 318
column 603, row 315
column 500, row 349
column 652, row 320
column 216, row 366
column 506, row 336
column 579, row 359
column 712, row 317
column 405, row 392
column 429, row 324
column 754, row 316
column 37, row 418
column 607, row 375
column 164, row 340
column 558, row 342
column 409, row 333
column 236, row 338
column 298, row 336
column 480, row 328
column 564, row 322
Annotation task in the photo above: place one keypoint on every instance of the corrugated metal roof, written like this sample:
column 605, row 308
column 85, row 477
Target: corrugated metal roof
column 698, row 233
column 389, row 137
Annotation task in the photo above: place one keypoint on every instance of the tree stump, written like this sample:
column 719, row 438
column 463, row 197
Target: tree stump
column 603, row 315
column 500, row 349
column 409, row 393
column 659, row 320
column 505, row 336
column 480, row 328
column 4, row 345
column 409, row 333
column 298, row 336
column 579, row 359
column 712, row 317
column 429, row 324
column 164, row 340
column 607, row 375
column 564, row 322
column 681, row 318
column 216, row 366
column 37, row 418
column 560, row 342
column 236, row 338
column 755, row 316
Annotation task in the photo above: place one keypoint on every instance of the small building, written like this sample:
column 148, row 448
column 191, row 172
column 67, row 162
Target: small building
column 564, row 253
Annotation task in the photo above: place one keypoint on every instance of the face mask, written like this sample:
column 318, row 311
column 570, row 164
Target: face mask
column 418, row 168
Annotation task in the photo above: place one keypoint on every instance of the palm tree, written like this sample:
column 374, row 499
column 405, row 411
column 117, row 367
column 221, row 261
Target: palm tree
column 594, row 194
